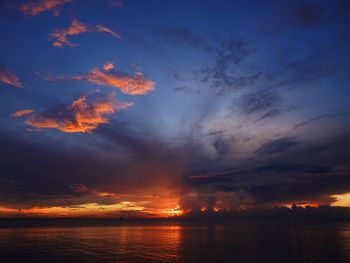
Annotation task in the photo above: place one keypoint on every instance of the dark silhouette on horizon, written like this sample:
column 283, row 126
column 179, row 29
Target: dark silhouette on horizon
column 279, row 212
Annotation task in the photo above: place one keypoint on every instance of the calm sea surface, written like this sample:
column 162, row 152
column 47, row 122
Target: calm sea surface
column 235, row 241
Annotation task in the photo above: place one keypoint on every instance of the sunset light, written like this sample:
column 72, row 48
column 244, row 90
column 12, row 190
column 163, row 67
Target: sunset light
column 209, row 131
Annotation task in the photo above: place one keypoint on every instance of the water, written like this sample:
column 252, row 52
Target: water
column 237, row 241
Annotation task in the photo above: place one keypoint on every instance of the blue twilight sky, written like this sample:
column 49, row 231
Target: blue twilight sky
column 202, row 103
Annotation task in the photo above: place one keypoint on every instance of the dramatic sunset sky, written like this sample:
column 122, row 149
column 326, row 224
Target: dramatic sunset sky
column 153, row 108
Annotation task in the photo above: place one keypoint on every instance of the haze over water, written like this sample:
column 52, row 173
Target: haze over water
column 238, row 241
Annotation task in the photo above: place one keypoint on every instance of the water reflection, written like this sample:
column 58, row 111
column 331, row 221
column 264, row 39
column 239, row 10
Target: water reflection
column 180, row 242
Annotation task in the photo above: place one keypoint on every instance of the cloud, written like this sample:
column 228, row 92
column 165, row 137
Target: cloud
column 221, row 146
column 34, row 8
column 276, row 146
column 260, row 101
column 108, row 66
column 222, row 75
column 60, row 35
column 137, row 84
column 9, row 78
column 79, row 116
column 22, row 113
column 145, row 173
column 132, row 85
column 100, row 28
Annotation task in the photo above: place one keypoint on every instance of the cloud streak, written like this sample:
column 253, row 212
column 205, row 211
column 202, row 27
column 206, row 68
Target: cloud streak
column 22, row 113
column 60, row 35
column 9, row 78
column 34, row 8
column 79, row 116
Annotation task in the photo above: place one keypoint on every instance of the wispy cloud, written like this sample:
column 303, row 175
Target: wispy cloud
column 80, row 116
column 222, row 74
column 137, row 84
column 277, row 146
column 60, row 35
column 101, row 28
column 22, row 113
column 9, row 78
column 34, row 8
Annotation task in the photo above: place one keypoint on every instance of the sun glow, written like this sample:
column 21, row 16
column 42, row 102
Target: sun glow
column 175, row 211
column 342, row 200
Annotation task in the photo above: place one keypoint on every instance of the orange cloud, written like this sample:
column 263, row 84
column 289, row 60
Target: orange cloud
column 108, row 66
column 79, row 116
column 132, row 85
column 60, row 35
column 36, row 7
column 100, row 28
column 22, row 113
column 9, row 78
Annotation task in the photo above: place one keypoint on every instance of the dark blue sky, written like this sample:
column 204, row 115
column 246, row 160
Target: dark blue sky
column 154, row 107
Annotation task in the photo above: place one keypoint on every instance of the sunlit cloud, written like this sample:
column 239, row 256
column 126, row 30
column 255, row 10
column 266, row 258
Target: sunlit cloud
column 136, row 84
column 101, row 28
column 34, row 8
column 9, row 78
column 80, row 116
column 22, row 113
column 132, row 85
column 60, row 35
column 108, row 66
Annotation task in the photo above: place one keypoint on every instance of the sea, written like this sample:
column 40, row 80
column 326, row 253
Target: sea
column 142, row 241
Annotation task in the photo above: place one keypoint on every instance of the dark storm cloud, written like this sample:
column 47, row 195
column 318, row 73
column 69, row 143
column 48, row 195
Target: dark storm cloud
column 285, row 167
column 310, row 173
column 39, row 175
column 276, row 146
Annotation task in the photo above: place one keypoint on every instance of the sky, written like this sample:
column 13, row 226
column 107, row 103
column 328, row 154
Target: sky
column 157, row 108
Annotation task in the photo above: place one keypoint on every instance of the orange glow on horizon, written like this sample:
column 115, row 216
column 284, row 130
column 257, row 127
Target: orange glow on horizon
column 110, row 205
column 176, row 211
column 342, row 200
column 301, row 204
